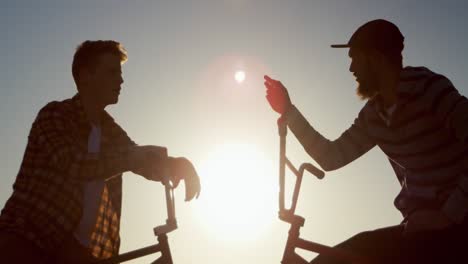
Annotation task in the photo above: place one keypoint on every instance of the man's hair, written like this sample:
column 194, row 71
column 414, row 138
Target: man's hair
column 87, row 54
column 394, row 57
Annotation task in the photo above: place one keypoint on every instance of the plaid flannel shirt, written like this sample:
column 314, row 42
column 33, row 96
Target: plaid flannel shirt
column 47, row 201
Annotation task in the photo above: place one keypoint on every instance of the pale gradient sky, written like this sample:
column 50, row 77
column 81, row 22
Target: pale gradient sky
column 179, row 92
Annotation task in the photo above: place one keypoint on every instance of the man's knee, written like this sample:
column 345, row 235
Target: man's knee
column 349, row 245
column 358, row 239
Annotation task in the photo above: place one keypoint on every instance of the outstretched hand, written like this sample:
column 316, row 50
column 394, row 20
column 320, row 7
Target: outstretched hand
column 277, row 95
column 182, row 169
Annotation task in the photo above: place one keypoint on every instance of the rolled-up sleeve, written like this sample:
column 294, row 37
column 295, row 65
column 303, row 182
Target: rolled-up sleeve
column 55, row 135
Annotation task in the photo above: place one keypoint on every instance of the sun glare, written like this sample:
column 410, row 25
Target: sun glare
column 239, row 192
column 239, row 76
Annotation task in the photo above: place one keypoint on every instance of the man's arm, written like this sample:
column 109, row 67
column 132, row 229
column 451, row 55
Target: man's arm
column 330, row 155
column 158, row 163
column 156, row 160
column 54, row 132
column 452, row 109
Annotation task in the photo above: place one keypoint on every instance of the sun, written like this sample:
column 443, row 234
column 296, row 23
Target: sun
column 239, row 76
column 239, row 200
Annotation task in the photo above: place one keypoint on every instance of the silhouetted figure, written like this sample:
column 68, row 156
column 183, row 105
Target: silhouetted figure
column 420, row 122
column 66, row 203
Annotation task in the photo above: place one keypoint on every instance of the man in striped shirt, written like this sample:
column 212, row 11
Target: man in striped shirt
column 66, row 201
column 420, row 121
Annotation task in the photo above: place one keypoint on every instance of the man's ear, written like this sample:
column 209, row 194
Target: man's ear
column 84, row 75
column 376, row 59
column 381, row 59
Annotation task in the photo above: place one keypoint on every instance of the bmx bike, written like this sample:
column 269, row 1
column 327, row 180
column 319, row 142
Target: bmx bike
column 159, row 231
column 296, row 221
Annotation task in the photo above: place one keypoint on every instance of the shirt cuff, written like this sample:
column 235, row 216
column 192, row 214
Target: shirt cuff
column 296, row 122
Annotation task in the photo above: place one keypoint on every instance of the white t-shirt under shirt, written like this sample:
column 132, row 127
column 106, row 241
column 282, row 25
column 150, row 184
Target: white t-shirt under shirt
column 388, row 114
column 92, row 192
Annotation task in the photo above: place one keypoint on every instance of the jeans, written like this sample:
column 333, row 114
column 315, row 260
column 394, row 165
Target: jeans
column 15, row 249
column 18, row 250
column 392, row 245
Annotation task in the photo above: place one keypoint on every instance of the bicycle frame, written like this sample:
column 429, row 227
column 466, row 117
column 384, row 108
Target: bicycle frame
column 159, row 231
column 296, row 221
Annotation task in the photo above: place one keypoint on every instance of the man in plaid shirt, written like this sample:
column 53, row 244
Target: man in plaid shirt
column 66, row 203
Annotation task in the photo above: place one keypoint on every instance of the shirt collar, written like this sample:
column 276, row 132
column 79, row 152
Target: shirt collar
column 78, row 105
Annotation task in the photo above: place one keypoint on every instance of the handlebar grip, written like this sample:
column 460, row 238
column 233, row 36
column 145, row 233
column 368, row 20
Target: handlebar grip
column 314, row 170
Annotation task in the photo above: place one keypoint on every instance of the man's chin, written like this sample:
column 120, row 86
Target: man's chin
column 365, row 91
column 112, row 101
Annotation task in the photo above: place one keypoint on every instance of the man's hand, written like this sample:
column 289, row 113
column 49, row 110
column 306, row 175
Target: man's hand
column 426, row 220
column 182, row 169
column 148, row 161
column 277, row 95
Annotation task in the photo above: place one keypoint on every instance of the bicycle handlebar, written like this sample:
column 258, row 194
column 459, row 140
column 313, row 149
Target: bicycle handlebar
column 284, row 161
column 171, row 222
column 160, row 231
column 296, row 221
column 305, row 167
column 312, row 169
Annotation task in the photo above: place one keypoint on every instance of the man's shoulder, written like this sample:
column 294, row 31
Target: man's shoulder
column 420, row 80
column 62, row 108
column 411, row 76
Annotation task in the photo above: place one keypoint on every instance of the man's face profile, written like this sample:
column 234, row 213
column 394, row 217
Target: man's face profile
column 365, row 75
column 106, row 78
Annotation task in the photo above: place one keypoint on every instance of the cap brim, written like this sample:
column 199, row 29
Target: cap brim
column 340, row 46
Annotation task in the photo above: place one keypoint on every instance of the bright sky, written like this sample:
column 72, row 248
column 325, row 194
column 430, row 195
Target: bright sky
column 193, row 83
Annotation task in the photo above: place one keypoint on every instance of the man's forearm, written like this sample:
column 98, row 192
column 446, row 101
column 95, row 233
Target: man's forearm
column 330, row 155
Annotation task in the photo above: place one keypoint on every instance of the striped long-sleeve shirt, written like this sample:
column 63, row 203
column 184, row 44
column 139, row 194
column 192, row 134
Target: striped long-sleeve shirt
column 425, row 140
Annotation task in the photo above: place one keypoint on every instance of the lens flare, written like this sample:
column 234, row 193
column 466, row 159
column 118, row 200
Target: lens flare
column 239, row 76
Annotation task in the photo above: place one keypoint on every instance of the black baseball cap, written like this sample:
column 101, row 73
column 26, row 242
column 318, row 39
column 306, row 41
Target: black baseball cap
column 378, row 34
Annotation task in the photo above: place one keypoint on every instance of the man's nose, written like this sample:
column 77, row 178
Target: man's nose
column 351, row 67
